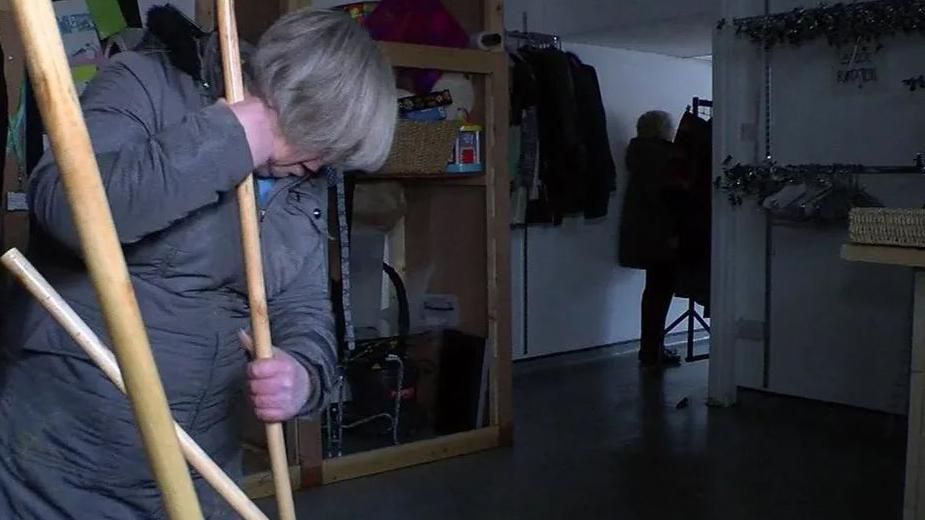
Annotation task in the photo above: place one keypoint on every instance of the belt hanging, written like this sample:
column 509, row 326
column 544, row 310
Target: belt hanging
column 336, row 178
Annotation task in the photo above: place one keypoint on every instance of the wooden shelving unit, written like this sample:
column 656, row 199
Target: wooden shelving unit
column 442, row 179
column 402, row 456
column 457, row 225
column 902, row 256
column 441, row 58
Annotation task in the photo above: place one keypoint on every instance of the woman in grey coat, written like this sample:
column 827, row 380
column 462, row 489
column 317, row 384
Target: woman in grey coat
column 171, row 153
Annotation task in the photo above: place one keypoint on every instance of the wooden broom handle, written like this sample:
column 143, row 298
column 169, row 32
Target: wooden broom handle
column 84, row 336
column 70, row 140
column 253, row 262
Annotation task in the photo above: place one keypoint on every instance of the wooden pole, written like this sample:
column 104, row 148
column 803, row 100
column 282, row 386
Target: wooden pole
column 84, row 336
column 253, row 262
column 70, row 140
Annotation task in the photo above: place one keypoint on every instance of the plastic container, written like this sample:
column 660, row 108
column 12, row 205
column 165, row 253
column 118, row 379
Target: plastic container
column 467, row 154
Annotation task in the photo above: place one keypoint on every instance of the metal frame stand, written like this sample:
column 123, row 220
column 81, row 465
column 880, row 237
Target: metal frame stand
column 692, row 317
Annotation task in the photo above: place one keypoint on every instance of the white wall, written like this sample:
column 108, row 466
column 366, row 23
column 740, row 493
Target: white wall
column 579, row 296
column 839, row 332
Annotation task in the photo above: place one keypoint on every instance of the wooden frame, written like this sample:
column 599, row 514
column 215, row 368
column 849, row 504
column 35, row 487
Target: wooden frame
column 446, row 59
column 412, row 454
column 902, row 256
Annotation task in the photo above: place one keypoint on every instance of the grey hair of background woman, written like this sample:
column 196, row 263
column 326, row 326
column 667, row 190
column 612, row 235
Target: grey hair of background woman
column 332, row 87
column 655, row 124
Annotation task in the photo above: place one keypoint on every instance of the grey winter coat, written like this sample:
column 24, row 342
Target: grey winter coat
column 170, row 160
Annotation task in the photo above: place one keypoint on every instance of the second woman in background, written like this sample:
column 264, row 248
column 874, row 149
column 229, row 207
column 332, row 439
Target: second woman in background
column 649, row 230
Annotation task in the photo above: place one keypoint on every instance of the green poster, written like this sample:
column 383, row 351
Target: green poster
column 82, row 76
column 108, row 17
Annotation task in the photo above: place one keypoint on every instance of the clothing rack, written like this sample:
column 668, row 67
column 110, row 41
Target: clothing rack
column 759, row 180
column 917, row 168
column 692, row 318
column 524, row 38
column 534, row 39
column 701, row 108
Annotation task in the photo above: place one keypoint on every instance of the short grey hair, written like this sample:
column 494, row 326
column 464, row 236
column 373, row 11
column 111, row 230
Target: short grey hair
column 655, row 124
column 332, row 87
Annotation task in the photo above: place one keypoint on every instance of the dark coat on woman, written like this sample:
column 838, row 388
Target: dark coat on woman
column 649, row 229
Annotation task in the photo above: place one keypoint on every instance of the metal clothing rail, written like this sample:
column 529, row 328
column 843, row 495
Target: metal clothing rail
column 865, row 18
column 535, row 39
column 698, row 107
column 829, row 169
column 760, row 180
column 699, row 103
column 541, row 40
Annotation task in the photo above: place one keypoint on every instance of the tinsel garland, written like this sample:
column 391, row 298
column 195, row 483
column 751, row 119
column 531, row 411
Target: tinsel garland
column 841, row 24
column 759, row 181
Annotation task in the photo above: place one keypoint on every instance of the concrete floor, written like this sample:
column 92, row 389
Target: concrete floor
column 597, row 439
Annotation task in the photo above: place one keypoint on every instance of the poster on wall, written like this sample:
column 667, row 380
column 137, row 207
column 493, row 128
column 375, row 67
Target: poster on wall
column 108, row 17
column 78, row 31
column 82, row 76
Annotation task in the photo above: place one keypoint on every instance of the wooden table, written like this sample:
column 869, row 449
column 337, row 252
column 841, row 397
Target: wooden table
column 914, row 497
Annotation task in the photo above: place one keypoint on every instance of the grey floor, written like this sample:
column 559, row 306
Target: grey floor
column 596, row 439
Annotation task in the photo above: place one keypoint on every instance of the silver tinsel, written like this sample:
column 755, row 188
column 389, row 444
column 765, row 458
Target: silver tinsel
column 840, row 24
column 758, row 181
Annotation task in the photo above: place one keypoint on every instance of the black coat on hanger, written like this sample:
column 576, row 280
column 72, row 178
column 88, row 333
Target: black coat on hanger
column 694, row 140
column 600, row 175
column 563, row 158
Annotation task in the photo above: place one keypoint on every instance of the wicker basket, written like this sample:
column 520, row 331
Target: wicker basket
column 888, row 227
column 422, row 148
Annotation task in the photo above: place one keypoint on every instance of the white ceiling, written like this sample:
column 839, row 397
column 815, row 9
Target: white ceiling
column 687, row 37
column 681, row 28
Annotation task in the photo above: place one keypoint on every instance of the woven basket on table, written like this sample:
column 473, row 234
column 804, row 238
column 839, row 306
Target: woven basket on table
column 888, row 227
column 422, row 148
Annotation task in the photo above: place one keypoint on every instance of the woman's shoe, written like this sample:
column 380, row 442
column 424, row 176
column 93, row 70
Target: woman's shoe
column 670, row 358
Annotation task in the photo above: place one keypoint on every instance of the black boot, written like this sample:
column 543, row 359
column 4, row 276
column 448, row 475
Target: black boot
column 669, row 358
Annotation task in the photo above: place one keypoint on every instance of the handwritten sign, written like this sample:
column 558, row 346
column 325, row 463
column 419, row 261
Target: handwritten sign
column 915, row 83
column 859, row 76
column 856, row 65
